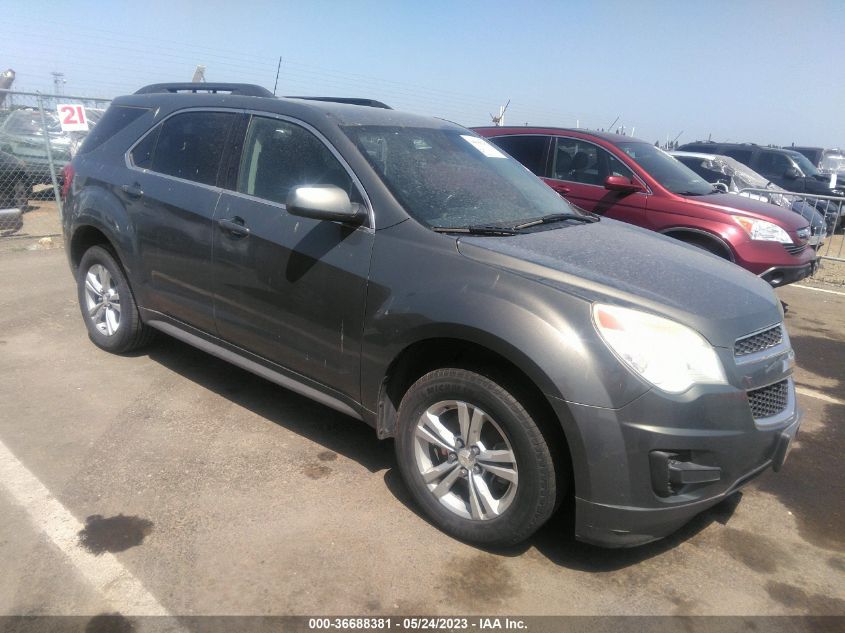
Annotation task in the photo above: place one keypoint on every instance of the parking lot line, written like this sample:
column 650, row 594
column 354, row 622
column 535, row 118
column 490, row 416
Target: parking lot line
column 830, row 292
column 104, row 572
column 812, row 393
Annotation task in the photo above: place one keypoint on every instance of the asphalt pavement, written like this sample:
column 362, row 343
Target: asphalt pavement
column 168, row 481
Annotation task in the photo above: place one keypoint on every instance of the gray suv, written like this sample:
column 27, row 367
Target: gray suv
column 406, row 272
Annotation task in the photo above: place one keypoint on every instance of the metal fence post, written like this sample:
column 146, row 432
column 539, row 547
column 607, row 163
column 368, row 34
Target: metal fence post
column 52, row 165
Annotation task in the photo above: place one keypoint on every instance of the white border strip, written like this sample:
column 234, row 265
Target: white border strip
column 812, row 393
column 830, row 292
column 116, row 584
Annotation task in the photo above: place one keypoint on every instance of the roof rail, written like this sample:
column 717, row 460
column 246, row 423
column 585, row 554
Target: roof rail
column 372, row 103
column 245, row 90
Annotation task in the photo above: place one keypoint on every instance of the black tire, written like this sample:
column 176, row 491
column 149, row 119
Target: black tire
column 536, row 494
column 706, row 245
column 130, row 333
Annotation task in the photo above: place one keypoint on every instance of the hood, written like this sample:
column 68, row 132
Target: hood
column 616, row 262
column 732, row 203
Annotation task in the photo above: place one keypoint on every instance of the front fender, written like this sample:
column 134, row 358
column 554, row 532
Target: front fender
column 438, row 293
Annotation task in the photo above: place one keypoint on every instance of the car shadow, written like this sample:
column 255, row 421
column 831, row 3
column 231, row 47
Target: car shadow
column 357, row 441
column 324, row 426
column 822, row 356
column 556, row 539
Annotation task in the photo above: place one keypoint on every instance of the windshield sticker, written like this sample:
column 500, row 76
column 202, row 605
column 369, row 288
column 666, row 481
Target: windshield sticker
column 483, row 146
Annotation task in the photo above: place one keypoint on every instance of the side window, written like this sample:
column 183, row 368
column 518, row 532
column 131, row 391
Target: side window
column 528, row 150
column 576, row 161
column 616, row 167
column 742, row 155
column 279, row 155
column 142, row 154
column 189, row 146
column 113, row 121
column 773, row 164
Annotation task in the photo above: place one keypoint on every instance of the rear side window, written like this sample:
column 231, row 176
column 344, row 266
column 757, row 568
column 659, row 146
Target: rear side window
column 188, row 146
column 773, row 164
column 576, row 161
column 113, row 121
column 528, row 150
column 279, row 155
column 742, row 155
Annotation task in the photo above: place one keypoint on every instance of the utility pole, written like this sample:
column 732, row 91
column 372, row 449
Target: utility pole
column 278, row 69
column 499, row 120
column 58, row 82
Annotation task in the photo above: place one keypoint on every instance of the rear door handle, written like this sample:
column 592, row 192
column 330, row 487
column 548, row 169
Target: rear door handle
column 235, row 226
column 133, row 191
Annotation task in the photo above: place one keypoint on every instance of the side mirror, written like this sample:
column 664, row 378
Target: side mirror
column 324, row 202
column 792, row 173
column 622, row 184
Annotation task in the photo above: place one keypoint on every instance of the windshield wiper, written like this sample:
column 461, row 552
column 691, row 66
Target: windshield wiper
column 558, row 217
column 477, row 230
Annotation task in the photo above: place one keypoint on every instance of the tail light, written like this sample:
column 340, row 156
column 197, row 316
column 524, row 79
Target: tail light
column 67, row 179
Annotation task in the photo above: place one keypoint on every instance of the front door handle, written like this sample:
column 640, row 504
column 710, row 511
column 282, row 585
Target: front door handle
column 133, row 191
column 562, row 190
column 234, row 226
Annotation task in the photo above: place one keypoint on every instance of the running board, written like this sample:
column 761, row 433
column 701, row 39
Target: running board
column 253, row 367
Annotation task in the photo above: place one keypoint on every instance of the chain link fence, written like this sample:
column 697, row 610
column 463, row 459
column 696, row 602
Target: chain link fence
column 39, row 134
column 826, row 215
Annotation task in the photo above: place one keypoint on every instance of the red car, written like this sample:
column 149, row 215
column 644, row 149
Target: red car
column 630, row 180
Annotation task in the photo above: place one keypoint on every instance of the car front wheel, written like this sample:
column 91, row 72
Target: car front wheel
column 474, row 459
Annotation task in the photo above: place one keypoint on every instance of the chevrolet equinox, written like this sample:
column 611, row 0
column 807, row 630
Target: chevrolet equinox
column 406, row 272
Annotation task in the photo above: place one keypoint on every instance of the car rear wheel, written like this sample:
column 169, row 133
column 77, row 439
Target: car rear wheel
column 108, row 307
column 474, row 459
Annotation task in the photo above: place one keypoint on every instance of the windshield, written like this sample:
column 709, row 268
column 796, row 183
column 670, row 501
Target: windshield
column 28, row 123
column 668, row 171
column 804, row 164
column 451, row 178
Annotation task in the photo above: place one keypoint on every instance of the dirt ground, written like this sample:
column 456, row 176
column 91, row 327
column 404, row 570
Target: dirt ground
column 171, row 481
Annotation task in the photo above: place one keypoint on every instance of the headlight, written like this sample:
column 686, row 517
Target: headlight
column 763, row 230
column 670, row 356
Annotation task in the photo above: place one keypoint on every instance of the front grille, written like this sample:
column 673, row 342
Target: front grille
column 768, row 401
column 795, row 249
column 759, row 342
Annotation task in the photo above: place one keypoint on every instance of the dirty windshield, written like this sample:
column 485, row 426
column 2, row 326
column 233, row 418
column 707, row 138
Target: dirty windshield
column 452, row 178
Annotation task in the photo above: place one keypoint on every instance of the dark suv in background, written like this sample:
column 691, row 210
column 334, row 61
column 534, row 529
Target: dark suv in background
column 786, row 168
column 404, row 271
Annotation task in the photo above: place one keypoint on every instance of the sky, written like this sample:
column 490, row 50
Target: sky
column 769, row 72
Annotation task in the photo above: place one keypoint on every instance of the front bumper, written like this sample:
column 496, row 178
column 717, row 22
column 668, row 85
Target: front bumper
column 782, row 275
column 623, row 526
column 618, row 502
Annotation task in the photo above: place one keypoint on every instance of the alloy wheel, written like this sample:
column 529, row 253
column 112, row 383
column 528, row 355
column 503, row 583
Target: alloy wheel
column 102, row 300
column 465, row 460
